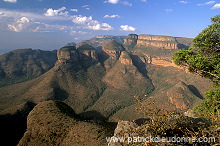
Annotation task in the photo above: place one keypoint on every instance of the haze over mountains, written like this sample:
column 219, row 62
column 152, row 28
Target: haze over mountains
column 99, row 78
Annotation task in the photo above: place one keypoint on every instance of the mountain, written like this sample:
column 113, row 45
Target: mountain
column 24, row 64
column 104, row 85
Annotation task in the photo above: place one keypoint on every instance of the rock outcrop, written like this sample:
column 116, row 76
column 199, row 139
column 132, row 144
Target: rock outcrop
column 67, row 54
column 125, row 58
column 87, row 52
column 131, row 39
column 156, row 41
column 111, row 53
column 71, row 54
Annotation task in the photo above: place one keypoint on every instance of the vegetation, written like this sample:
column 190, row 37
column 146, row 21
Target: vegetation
column 68, row 48
column 86, row 47
column 204, row 59
column 165, row 124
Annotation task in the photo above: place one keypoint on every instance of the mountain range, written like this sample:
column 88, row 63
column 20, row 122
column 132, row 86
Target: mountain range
column 99, row 79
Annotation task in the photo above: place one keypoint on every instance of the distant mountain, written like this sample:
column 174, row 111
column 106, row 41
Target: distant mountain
column 71, row 44
column 24, row 64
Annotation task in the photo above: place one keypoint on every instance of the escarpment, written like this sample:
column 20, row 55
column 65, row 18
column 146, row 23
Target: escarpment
column 157, row 41
column 71, row 54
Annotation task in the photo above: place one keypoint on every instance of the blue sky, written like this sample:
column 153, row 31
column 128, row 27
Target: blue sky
column 50, row 24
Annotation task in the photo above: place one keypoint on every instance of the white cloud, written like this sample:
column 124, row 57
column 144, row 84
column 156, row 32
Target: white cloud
column 183, row 2
column 29, row 22
column 216, row 6
column 10, row 1
column 111, row 16
column 112, row 1
column 79, row 32
column 126, row 3
column 81, row 19
column 18, row 14
column 144, row 1
column 23, row 24
column 89, row 23
column 85, row 6
column 50, row 12
column 74, row 10
column 127, row 28
column 119, row 1
column 207, row 3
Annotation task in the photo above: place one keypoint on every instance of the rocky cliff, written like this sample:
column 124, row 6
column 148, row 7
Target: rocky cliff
column 157, row 41
column 71, row 54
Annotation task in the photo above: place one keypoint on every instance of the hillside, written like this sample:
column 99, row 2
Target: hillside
column 55, row 123
column 24, row 64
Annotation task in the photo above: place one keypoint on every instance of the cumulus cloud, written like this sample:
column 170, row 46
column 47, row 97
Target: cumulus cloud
column 207, row 3
column 23, row 24
column 216, row 6
column 10, row 1
column 119, row 1
column 112, row 1
column 111, row 16
column 29, row 22
column 127, row 28
column 74, row 10
column 89, row 23
column 50, row 12
column 183, row 2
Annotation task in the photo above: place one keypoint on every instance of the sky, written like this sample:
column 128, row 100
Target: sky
column 50, row 24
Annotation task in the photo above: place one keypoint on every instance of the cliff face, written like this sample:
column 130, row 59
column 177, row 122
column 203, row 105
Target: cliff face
column 67, row 54
column 157, row 41
column 131, row 39
column 165, row 42
column 71, row 54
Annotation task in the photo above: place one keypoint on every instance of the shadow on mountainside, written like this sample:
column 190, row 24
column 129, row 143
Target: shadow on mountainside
column 140, row 65
column 93, row 115
column 13, row 126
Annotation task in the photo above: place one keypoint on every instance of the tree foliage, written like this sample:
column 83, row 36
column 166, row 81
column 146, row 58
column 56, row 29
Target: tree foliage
column 203, row 58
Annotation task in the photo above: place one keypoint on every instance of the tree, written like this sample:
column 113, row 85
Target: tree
column 203, row 58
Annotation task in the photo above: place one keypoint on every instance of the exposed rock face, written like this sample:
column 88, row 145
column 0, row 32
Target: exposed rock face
column 67, row 54
column 125, row 59
column 113, row 49
column 87, row 52
column 165, row 42
column 158, row 41
column 131, row 39
column 111, row 53
column 71, row 54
